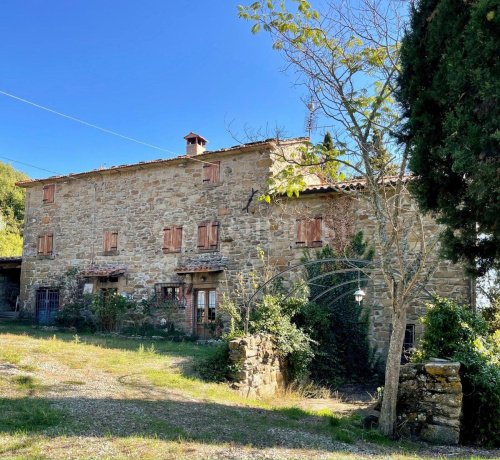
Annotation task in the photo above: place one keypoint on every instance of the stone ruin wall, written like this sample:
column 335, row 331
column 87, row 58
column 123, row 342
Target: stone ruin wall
column 259, row 371
column 430, row 402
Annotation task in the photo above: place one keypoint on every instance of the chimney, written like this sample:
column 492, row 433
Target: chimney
column 195, row 144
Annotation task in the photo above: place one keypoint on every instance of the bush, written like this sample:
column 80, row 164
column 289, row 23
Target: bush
column 274, row 316
column 216, row 367
column 78, row 314
column 455, row 332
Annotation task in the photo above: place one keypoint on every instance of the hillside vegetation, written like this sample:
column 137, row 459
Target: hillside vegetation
column 11, row 211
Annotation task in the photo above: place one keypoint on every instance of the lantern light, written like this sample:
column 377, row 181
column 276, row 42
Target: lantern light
column 359, row 295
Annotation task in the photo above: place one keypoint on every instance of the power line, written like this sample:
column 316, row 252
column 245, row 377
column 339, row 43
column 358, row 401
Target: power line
column 30, row 165
column 91, row 125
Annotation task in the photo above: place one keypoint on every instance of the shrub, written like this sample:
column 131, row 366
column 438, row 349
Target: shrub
column 109, row 309
column 274, row 316
column 216, row 367
column 453, row 331
column 78, row 314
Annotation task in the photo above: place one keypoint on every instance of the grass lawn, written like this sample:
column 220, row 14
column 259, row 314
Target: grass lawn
column 93, row 397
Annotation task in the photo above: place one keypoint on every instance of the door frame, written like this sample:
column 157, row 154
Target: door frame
column 201, row 326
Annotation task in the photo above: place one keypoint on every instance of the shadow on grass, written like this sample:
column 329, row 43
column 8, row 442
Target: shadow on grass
column 162, row 346
column 184, row 420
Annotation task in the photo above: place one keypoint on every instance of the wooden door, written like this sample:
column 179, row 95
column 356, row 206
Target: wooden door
column 205, row 305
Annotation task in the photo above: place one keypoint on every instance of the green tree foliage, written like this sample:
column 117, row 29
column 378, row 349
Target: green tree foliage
column 450, row 91
column 11, row 211
column 347, row 56
column 453, row 331
column 335, row 321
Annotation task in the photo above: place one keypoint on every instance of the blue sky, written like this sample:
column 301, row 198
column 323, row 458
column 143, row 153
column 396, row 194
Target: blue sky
column 152, row 70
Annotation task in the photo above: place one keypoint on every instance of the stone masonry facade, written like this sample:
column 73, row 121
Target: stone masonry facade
column 430, row 402
column 257, row 367
column 111, row 226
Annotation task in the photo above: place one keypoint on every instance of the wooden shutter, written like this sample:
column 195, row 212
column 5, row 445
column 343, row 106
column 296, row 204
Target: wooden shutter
column 202, row 236
column 106, row 241
column 49, row 243
column 110, row 241
column 211, row 172
column 45, row 245
column 213, row 235
column 315, row 238
column 301, row 233
column 41, row 245
column 48, row 193
column 172, row 239
column 167, row 238
column 177, row 239
column 114, row 241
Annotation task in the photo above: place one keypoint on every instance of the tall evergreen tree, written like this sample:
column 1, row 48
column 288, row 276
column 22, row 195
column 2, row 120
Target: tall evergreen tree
column 450, row 91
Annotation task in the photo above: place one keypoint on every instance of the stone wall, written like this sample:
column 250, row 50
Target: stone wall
column 430, row 402
column 139, row 201
column 258, row 369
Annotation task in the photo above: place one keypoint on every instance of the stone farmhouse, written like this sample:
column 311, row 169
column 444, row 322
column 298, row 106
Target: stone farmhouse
column 185, row 229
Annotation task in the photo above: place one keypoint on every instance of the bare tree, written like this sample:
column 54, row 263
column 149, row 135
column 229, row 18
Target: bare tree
column 347, row 56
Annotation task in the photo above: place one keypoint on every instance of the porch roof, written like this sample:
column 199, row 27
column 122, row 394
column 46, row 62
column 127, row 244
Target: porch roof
column 103, row 271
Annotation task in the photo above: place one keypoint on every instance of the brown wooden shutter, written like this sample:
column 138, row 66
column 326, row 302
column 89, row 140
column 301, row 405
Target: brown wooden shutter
column 177, row 239
column 114, row 241
column 213, row 235
column 110, row 241
column 167, row 238
column 202, row 236
column 49, row 244
column 211, row 172
column 41, row 245
column 301, row 233
column 107, row 236
column 48, row 193
column 315, row 224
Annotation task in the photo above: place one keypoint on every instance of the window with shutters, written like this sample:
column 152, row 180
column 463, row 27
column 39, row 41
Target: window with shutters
column 48, row 193
column 211, row 172
column 309, row 233
column 172, row 239
column 45, row 244
column 110, row 243
column 208, row 236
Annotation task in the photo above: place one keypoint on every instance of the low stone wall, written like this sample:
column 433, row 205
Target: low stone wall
column 430, row 402
column 258, row 369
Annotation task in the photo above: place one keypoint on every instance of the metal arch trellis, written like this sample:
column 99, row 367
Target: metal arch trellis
column 359, row 265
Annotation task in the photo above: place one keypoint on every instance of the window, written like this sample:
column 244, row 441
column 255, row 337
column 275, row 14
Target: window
column 172, row 239
column 45, row 244
column 48, row 193
column 208, row 236
column 211, row 172
column 309, row 232
column 172, row 294
column 408, row 343
column 110, row 242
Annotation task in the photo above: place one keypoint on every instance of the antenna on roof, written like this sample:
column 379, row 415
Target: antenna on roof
column 310, row 124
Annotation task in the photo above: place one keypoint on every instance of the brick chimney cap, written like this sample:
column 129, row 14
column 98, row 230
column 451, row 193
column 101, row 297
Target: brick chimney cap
column 191, row 135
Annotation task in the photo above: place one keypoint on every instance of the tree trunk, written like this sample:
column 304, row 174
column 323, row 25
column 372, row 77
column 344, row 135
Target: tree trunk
column 389, row 400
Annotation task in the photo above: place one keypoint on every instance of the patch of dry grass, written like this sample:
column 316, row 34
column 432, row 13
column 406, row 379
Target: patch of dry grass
column 99, row 397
